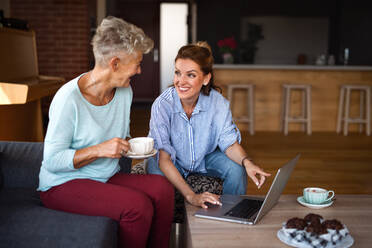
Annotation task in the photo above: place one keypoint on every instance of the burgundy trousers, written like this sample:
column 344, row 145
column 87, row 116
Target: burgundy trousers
column 142, row 204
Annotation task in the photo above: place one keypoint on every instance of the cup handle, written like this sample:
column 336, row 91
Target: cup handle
column 330, row 192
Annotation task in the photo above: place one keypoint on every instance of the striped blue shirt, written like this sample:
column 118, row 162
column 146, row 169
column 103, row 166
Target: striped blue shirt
column 186, row 140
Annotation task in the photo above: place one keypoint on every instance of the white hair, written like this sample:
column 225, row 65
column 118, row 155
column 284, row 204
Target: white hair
column 114, row 36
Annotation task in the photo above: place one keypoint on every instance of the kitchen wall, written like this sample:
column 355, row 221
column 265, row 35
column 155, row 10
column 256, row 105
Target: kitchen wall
column 355, row 31
column 350, row 23
column 285, row 38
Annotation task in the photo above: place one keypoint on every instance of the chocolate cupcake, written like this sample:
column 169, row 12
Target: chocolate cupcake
column 316, row 228
column 294, row 229
column 314, row 231
column 296, row 223
column 333, row 224
column 313, row 218
column 336, row 231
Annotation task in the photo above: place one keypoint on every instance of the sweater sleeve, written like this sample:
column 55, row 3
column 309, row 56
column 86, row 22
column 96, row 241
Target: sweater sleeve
column 58, row 155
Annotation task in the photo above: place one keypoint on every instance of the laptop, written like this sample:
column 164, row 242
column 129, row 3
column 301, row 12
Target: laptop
column 248, row 209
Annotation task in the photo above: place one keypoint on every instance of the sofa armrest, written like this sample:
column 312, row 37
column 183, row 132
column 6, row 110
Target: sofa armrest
column 20, row 163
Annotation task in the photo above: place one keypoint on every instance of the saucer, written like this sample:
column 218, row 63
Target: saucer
column 302, row 201
column 141, row 156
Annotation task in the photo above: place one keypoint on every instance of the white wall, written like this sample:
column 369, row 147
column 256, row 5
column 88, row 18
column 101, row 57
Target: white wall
column 173, row 35
column 287, row 37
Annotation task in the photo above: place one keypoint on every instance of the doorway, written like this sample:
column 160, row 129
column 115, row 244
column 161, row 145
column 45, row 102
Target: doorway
column 173, row 35
column 167, row 25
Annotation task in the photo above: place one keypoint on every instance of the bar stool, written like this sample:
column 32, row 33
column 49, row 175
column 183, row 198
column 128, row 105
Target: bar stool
column 364, row 108
column 249, row 118
column 305, row 116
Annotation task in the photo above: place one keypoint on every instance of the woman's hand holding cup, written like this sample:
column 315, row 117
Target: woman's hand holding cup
column 113, row 148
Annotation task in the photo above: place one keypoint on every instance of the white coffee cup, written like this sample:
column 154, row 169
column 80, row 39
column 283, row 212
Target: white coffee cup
column 141, row 145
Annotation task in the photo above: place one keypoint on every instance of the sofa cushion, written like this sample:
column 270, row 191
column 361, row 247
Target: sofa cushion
column 201, row 183
column 139, row 168
column 20, row 163
column 24, row 222
column 1, row 175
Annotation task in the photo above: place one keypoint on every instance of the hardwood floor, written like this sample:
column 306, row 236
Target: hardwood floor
column 328, row 160
column 341, row 163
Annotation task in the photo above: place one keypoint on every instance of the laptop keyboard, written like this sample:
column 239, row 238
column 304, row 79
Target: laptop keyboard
column 245, row 208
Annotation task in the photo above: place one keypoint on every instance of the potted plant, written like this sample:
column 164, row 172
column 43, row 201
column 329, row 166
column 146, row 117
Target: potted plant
column 227, row 46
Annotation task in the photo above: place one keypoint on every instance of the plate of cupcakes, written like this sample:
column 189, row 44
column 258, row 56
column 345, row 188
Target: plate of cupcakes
column 313, row 231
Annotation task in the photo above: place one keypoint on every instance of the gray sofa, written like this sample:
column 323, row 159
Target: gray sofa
column 25, row 222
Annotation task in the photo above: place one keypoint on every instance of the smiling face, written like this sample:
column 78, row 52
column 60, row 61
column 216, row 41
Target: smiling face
column 188, row 80
column 126, row 68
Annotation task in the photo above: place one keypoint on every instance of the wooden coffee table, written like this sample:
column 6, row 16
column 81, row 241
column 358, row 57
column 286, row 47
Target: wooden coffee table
column 355, row 211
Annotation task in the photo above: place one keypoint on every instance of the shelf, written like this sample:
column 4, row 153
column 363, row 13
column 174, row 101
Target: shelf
column 22, row 91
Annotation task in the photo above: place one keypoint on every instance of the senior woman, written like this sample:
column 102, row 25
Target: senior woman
column 89, row 121
column 193, row 130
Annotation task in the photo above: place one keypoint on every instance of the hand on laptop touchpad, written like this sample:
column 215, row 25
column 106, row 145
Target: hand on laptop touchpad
column 248, row 210
column 211, row 205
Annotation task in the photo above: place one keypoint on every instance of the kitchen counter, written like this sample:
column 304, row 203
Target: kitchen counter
column 268, row 81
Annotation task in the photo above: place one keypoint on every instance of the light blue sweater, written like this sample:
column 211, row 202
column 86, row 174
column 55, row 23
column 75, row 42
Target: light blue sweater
column 74, row 123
